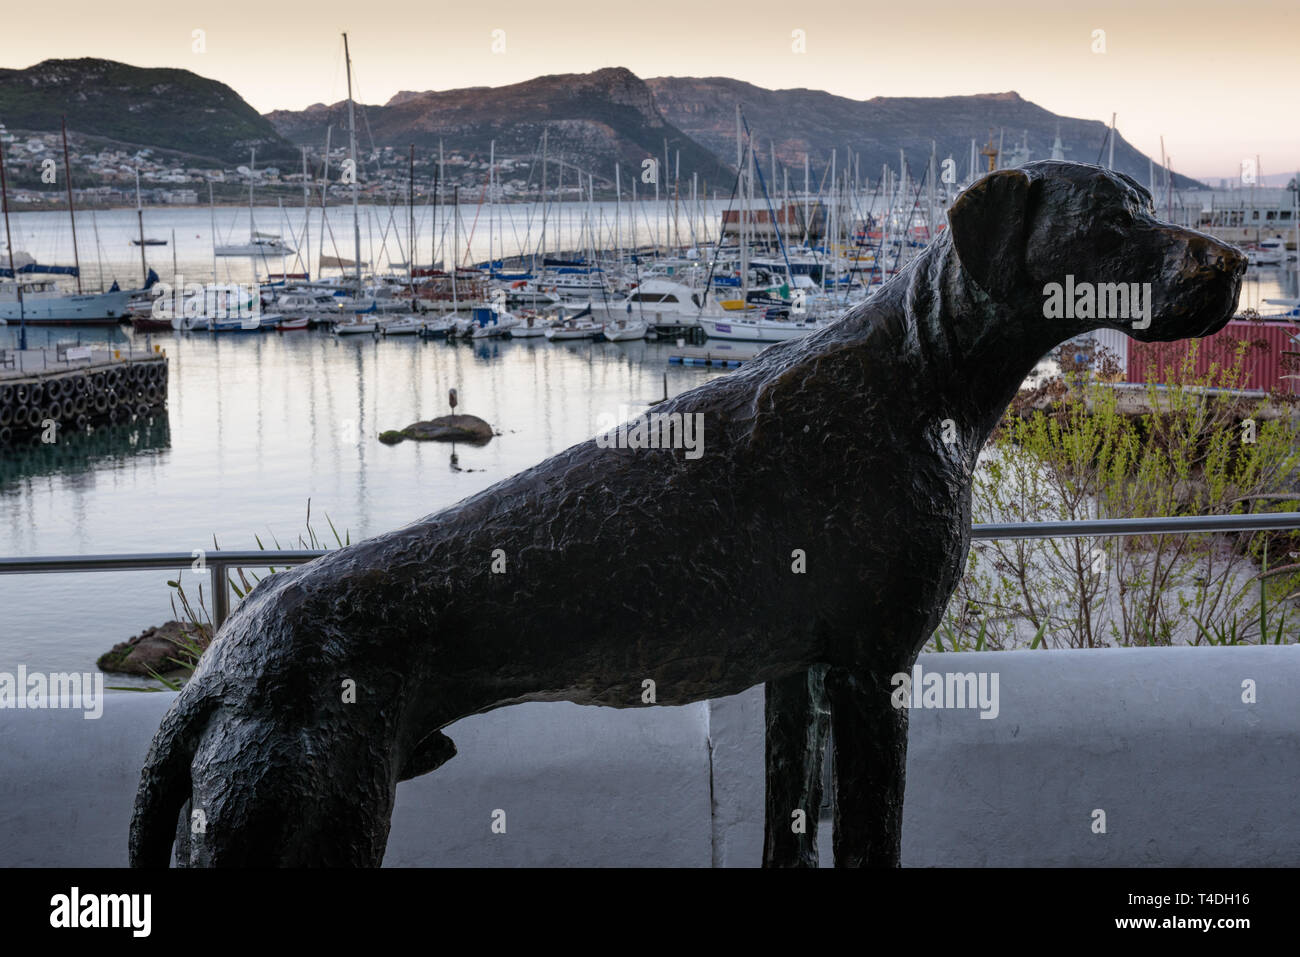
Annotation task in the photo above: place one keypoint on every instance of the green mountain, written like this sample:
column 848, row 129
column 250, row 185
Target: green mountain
column 161, row 108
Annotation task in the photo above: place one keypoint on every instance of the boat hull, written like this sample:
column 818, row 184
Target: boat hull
column 104, row 308
column 625, row 333
column 749, row 330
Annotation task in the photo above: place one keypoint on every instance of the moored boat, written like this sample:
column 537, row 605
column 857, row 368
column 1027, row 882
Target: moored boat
column 743, row 328
column 531, row 326
column 357, row 325
column 573, row 328
column 401, row 325
column 44, row 304
column 625, row 330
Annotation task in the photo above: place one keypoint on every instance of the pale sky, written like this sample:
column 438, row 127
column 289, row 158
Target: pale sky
column 1220, row 81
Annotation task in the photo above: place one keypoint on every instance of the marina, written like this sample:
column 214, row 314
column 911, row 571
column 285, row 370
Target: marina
column 643, row 412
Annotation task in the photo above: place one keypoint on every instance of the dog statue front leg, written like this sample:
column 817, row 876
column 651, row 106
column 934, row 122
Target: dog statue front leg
column 797, row 721
column 870, row 762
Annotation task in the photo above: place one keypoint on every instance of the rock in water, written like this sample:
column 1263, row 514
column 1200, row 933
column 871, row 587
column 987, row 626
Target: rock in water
column 154, row 650
column 445, row 428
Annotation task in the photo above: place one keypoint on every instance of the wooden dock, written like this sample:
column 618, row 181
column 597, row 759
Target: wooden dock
column 70, row 386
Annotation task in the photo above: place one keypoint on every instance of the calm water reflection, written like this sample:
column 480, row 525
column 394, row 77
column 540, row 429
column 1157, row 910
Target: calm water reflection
column 258, row 424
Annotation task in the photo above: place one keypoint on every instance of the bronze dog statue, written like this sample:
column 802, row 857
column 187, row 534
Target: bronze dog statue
column 813, row 546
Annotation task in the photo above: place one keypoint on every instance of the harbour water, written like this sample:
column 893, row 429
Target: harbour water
column 257, row 425
column 104, row 237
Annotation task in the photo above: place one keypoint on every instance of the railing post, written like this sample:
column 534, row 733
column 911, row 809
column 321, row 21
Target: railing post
column 220, row 595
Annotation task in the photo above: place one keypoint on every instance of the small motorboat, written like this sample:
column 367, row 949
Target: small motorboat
column 530, row 327
column 356, row 326
column 260, row 323
column 147, row 323
column 402, row 325
column 435, row 328
column 573, row 329
column 1268, row 252
column 496, row 323
column 292, row 325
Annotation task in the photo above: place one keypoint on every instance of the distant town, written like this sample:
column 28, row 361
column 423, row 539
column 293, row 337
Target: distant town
column 105, row 177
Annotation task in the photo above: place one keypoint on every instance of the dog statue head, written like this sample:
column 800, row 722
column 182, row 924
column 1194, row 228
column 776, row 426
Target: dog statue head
column 1080, row 247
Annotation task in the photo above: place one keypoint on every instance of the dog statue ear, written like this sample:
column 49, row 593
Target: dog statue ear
column 989, row 223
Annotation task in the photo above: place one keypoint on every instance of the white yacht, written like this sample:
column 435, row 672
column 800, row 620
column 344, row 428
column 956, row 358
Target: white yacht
column 747, row 327
column 356, row 326
column 530, row 327
column 45, row 304
column 626, row 329
column 1268, row 252
column 258, row 246
column 402, row 325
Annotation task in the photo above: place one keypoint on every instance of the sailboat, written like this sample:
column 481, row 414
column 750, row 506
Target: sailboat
column 359, row 324
column 259, row 244
column 40, row 301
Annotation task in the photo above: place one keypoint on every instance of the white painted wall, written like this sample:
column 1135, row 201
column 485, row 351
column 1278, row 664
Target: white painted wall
column 1160, row 739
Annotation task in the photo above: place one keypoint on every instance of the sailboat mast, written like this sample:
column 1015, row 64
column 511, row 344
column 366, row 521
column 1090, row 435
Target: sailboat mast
column 544, row 201
column 306, row 216
column 455, row 245
column 72, row 211
column 439, row 232
column 252, row 173
column 324, row 201
column 410, row 223
column 9, row 245
column 139, row 215
column 212, row 209
column 352, row 149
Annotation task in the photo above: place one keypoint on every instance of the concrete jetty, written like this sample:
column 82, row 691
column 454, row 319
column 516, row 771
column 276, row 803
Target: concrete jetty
column 71, row 386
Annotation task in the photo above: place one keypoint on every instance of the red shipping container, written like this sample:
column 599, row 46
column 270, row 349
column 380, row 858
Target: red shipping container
column 1263, row 365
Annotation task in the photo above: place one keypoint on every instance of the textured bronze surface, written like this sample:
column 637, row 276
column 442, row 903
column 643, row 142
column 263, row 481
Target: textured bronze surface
column 847, row 454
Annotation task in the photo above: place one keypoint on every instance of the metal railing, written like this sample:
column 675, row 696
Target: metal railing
column 216, row 563
column 219, row 562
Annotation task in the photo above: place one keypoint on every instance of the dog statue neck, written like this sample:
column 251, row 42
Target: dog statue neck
column 980, row 350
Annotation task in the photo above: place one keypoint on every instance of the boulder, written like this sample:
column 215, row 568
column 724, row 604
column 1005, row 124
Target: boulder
column 445, row 428
column 153, row 650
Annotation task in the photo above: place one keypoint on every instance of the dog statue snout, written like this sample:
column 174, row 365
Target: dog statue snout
column 1216, row 255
